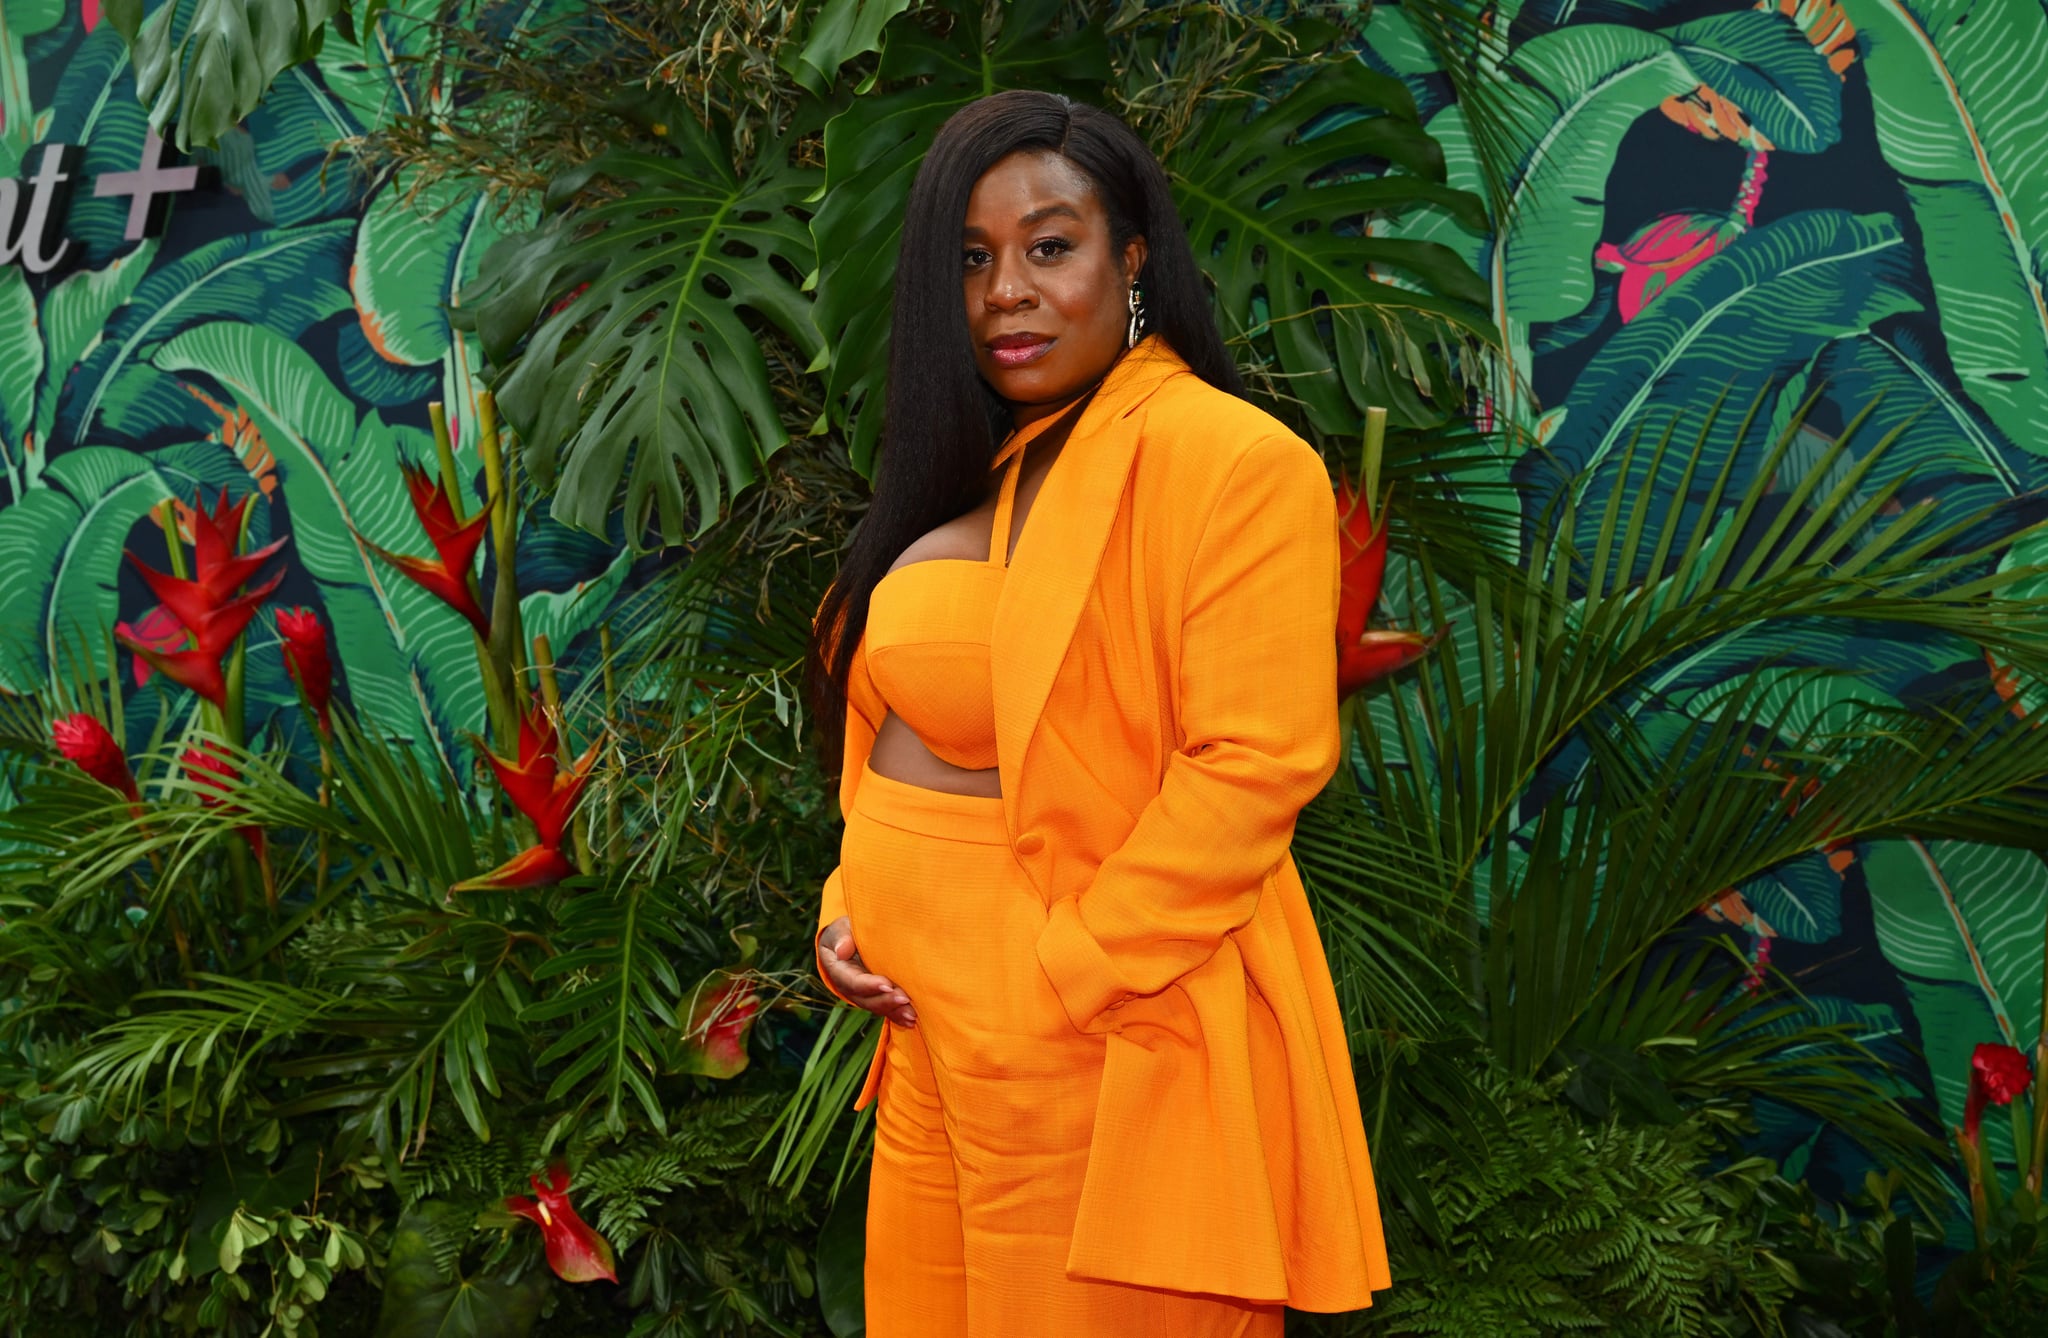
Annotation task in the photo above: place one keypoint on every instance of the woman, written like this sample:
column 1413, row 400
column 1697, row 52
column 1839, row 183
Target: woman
column 1081, row 706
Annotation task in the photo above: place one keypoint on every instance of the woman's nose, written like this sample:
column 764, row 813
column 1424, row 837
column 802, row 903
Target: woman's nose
column 1009, row 286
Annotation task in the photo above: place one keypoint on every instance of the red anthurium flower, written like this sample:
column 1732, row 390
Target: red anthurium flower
column 1998, row 1074
column 211, row 771
column 206, row 605
column 575, row 1252
column 1364, row 655
column 1662, row 253
column 715, row 1040
column 305, row 655
column 547, row 795
column 86, row 742
column 446, row 576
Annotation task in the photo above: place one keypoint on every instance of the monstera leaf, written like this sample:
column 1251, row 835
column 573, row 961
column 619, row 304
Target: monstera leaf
column 872, row 152
column 60, row 562
column 1750, row 315
column 1277, row 223
column 1963, row 924
column 203, row 65
column 653, row 376
column 839, row 30
column 1959, row 116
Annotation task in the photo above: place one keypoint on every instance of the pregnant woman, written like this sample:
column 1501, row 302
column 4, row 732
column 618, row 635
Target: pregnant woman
column 1080, row 660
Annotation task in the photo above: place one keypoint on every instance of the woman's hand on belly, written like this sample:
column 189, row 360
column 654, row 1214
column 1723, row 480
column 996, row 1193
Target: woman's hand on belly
column 840, row 960
column 900, row 755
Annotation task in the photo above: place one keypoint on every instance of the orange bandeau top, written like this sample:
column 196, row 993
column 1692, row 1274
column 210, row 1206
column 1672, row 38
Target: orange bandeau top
column 928, row 632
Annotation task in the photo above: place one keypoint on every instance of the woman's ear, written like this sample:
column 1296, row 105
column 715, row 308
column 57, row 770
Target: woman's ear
column 1134, row 258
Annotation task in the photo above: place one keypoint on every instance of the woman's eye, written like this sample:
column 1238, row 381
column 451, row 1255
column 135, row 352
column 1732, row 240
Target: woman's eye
column 974, row 255
column 1052, row 246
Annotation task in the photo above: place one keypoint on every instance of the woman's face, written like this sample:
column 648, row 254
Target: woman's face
column 1046, row 290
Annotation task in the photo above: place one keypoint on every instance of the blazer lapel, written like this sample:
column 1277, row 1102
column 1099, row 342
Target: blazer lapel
column 1060, row 551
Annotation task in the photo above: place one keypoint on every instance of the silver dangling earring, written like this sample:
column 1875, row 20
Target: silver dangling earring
column 1137, row 325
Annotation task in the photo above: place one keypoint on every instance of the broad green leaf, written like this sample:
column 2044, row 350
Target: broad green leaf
column 74, row 318
column 1965, row 926
column 412, row 258
column 1281, row 230
column 424, row 1300
column 839, row 31
column 1946, row 443
column 201, row 66
column 1753, row 313
column 872, row 152
column 1575, row 94
column 409, row 659
column 1762, row 62
column 296, row 277
column 1960, row 109
column 60, row 563
column 651, row 381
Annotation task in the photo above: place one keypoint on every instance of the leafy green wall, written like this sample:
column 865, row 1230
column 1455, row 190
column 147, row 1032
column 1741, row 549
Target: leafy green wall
column 1720, row 206
column 283, row 336
column 1713, row 205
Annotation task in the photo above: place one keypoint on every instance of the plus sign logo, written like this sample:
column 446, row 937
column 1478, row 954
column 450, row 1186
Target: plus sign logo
column 32, row 209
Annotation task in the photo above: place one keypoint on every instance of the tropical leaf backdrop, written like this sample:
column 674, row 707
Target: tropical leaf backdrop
column 282, row 338
column 1726, row 218
column 1721, row 220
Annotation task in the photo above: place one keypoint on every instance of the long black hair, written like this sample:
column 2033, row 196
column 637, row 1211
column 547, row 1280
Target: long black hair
column 943, row 423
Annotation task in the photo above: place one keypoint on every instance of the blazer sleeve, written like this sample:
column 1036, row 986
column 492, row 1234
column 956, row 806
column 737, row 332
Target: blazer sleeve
column 1257, row 712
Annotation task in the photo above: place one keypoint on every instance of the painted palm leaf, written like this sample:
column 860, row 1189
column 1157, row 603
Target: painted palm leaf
column 1750, row 315
column 408, row 657
column 1954, row 452
column 872, row 152
column 296, row 277
column 60, row 564
column 1965, row 925
column 652, row 380
column 1960, row 108
column 39, row 348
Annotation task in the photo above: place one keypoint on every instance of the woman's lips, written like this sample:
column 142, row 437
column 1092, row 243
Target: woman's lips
column 1018, row 354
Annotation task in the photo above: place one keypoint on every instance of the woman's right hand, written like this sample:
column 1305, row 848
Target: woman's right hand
column 840, row 962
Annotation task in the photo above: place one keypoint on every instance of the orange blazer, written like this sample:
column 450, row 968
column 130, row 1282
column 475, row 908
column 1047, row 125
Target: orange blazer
column 1165, row 673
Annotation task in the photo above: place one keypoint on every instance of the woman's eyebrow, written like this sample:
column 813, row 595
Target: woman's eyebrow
column 1035, row 216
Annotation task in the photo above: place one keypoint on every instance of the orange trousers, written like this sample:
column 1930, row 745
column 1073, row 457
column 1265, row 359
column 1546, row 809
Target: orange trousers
column 986, row 1107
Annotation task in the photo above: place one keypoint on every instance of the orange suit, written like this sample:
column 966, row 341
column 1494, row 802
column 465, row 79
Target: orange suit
column 1164, row 665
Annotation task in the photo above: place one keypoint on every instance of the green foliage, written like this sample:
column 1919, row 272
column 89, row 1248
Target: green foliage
column 650, row 375
column 1568, row 1226
column 203, row 65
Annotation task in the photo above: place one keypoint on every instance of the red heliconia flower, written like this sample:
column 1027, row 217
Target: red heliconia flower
column 1363, row 654
column 211, row 771
column 158, row 630
column 305, row 655
column 88, row 745
column 207, row 605
column 715, row 1038
column 546, row 794
column 1663, row 252
column 446, row 576
column 1998, row 1074
column 575, row 1252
